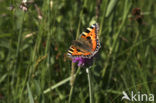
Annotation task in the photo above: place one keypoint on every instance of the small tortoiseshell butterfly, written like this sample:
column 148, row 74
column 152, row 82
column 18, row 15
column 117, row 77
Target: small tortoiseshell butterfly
column 87, row 45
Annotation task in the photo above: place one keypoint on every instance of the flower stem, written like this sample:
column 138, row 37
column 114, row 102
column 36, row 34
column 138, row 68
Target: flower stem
column 72, row 82
column 70, row 95
column 72, row 75
column 90, row 85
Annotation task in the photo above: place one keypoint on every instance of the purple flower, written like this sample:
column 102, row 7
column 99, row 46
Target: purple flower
column 82, row 61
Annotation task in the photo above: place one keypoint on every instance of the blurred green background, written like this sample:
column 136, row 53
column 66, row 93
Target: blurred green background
column 34, row 43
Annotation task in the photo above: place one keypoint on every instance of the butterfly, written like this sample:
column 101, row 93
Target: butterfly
column 87, row 45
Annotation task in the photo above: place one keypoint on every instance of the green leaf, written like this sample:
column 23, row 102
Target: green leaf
column 110, row 7
column 31, row 100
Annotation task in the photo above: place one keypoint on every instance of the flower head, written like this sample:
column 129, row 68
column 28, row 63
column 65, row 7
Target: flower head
column 82, row 61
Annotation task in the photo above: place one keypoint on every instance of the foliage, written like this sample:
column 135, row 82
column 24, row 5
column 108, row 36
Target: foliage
column 33, row 46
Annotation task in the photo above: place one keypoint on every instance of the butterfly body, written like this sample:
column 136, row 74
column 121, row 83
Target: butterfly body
column 82, row 45
column 87, row 45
